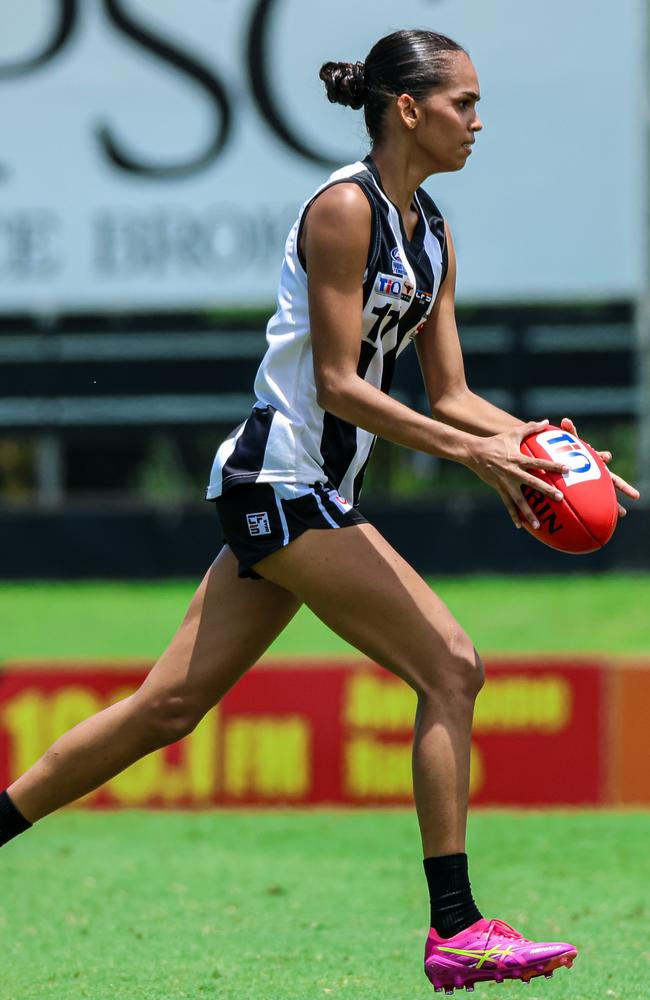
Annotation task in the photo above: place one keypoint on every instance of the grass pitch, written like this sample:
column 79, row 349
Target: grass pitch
column 288, row 906
column 590, row 614
column 309, row 905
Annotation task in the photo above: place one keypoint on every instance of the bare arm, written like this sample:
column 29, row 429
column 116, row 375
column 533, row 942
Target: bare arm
column 443, row 370
column 336, row 239
column 335, row 272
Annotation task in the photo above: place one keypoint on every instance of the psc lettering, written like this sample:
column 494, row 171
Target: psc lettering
column 66, row 21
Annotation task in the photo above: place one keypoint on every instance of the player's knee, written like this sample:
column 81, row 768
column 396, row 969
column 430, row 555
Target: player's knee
column 466, row 667
column 474, row 673
column 170, row 717
column 460, row 671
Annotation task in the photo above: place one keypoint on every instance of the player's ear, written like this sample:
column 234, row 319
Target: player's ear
column 408, row 110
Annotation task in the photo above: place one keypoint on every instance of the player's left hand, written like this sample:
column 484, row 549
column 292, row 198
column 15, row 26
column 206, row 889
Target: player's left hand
column 620, row 484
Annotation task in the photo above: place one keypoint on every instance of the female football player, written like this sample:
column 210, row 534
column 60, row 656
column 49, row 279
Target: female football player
column 369, row 267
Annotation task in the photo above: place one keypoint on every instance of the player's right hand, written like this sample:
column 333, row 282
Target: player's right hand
column 500, row 463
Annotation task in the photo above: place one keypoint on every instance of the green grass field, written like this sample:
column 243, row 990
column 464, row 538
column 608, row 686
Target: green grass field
column 305, row 906
column 308, row 905
column 591, row 614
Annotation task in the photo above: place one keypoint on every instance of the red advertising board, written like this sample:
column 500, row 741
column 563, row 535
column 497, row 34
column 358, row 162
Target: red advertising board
column 539, row 734
column 313, row 732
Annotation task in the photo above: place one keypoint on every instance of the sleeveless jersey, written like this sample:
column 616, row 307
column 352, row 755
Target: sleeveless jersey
column 288, row 437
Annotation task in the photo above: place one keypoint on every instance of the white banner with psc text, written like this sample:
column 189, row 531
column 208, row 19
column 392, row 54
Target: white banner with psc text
column 154, row 154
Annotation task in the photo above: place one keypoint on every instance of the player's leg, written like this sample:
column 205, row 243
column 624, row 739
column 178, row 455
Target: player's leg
column 229, row 624
column 359, row 586
column 356, row 583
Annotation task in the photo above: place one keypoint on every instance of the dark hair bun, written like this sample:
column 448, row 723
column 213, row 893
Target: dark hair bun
column 345, row 83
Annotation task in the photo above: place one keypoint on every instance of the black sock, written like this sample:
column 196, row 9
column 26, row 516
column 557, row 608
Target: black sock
column 12, row 822
column 452, row 905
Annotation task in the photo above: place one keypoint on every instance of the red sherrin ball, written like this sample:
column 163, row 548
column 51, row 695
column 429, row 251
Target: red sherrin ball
column 585, row 520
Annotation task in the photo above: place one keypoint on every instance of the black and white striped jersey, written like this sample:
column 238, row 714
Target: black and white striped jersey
column 288, row 437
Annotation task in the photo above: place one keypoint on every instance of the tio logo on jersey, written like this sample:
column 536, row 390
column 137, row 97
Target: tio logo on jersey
column 388, row 285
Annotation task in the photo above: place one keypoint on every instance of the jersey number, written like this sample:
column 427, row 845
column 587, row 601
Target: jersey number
column 387, row 320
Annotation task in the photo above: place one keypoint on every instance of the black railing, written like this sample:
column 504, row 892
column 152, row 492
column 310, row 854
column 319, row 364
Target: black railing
column 90, row 399
column 159, row 371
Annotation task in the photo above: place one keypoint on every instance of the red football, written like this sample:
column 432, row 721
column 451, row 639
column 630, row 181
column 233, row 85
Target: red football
column 585, row 520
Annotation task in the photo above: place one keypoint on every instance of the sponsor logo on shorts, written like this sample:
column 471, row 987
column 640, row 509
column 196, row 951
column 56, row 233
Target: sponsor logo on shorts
column 343, row 505
column 398, row 266
column 560, row 446
column 387, row 284
column 258, row 524
column 407, row 291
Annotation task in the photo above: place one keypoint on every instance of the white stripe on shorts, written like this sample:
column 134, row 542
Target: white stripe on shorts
column 283, row 520
column 327, row 516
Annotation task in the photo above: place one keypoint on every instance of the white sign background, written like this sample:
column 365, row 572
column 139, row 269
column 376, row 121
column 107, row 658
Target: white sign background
column 549, row 206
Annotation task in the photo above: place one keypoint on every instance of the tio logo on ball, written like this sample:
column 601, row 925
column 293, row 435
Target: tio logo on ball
column 569, row 450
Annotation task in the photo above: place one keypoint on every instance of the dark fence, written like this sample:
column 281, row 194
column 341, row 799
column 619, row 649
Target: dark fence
column 87, row 395
column 160, row 371
column 441, row 538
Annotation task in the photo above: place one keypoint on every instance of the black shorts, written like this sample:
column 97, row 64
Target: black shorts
column 259, row 519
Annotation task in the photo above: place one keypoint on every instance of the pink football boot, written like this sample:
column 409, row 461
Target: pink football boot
column 490, row 951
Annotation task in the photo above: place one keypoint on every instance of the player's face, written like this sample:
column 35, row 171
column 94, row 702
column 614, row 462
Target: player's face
column 449, row 122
